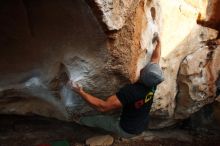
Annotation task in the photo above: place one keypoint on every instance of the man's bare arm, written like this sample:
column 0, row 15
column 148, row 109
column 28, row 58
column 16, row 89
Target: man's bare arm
column 109, row 104
column 155, row 58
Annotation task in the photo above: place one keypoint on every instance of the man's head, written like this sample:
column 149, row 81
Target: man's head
column 151, row 75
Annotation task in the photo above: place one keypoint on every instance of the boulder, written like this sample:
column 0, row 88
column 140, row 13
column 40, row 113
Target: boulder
column 103, row 45
column 196, row 80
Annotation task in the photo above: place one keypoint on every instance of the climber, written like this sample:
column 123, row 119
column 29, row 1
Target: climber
column 135, row 100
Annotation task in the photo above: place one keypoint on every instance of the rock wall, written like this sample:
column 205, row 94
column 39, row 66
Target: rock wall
column 44, row 44
column 103, row 45
column 165, row 101
column 197, row 75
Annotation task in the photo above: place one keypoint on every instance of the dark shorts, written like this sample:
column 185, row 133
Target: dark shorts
column 107, row 123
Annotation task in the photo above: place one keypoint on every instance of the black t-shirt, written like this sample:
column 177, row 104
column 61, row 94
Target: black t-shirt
column 136, row 100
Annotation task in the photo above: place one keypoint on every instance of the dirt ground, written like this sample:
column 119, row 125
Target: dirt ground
column 34, row 130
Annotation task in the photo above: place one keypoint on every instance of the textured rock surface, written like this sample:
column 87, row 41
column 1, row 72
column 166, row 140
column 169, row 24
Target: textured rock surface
column 115, row 12
column 165, row 98
column 179, row 39
column 47, row 43
column 196, row 80
column 131, row 47
column 44, row 44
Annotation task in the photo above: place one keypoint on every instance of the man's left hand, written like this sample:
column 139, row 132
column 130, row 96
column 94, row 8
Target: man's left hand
column 76, row 87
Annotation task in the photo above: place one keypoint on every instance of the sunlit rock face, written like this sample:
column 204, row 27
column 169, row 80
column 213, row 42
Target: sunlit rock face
column 198, row 74
column 166, row 99
column 181, row 36
column 102, row 45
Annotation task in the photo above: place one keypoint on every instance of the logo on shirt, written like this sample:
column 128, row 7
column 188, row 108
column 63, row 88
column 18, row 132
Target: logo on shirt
column 138, row 104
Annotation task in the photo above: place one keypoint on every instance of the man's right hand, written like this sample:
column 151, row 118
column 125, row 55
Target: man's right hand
column 155, row 38
column 155, row 58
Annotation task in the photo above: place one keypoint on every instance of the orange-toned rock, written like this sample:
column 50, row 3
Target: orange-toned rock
column 212, row 18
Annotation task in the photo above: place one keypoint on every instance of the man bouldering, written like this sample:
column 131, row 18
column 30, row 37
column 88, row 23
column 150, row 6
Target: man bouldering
column 135, row 100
